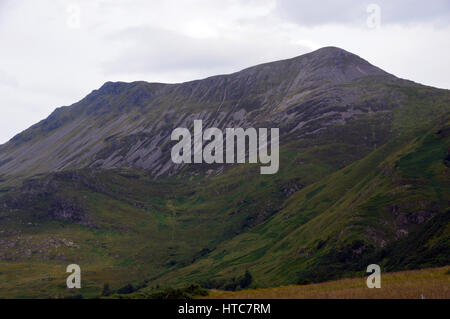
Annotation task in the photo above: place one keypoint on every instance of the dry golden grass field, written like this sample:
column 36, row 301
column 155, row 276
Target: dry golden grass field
column 427, row 283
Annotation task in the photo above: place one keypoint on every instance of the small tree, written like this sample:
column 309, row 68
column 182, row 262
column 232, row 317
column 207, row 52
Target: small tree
column 106, row 290
column 246, row 280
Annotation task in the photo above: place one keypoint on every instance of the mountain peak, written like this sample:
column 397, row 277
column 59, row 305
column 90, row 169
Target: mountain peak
column 331, row 49
column 339, row 65
column 327, row 66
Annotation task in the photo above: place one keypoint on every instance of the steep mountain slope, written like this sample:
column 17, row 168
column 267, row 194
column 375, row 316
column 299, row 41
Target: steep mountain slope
column 391, row 208
column 363, row 176
column 129, row 124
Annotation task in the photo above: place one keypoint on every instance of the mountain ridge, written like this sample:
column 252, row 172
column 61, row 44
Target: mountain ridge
column 245, row 98
column 115, row 87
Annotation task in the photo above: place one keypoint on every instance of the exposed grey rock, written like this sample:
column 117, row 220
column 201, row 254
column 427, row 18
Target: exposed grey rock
column 129, row 124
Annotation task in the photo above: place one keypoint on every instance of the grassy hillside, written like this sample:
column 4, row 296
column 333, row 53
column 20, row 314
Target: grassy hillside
column 366, row 213
column 417, row 284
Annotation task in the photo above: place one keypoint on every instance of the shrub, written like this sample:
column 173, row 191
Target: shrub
column 128, row 289
column 246, row 280
column 106, row 290
column 188, row 292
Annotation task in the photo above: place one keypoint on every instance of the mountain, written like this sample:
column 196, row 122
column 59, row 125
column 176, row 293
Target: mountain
column 129, row 124
column 363, row 179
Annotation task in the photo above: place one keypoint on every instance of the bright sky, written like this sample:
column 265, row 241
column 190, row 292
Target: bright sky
column 54, row 52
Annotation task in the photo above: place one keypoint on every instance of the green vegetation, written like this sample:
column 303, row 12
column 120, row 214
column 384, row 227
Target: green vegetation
column 174, row 232
column 189, row 292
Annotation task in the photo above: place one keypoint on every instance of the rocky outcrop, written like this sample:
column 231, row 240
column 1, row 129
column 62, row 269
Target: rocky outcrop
column 69, row 210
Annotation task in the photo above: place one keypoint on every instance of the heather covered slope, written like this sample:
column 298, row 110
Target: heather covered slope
column 363, row 178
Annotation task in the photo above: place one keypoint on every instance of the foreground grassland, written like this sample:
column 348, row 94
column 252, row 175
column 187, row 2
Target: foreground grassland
column 426, row 283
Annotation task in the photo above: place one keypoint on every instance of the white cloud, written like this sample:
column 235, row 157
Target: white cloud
column 46, row 61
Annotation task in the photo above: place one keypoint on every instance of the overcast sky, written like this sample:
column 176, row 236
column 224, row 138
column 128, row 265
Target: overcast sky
column 54, row 52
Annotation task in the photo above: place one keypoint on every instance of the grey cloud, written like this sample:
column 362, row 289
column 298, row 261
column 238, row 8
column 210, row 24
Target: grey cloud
column 5, row 6
column 156, row 50
column 309, row 13
column 8, row 80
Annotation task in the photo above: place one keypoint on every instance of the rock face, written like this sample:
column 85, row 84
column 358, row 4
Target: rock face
column 129, row 124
